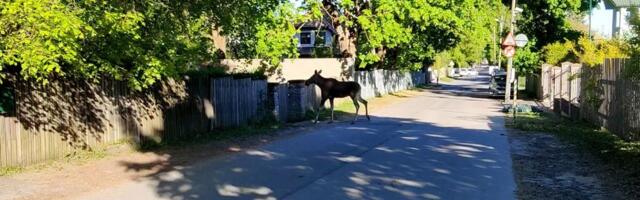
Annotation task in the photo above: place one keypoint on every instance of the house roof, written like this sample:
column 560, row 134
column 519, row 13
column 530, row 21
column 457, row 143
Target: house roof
column 324, row 23
column 611, row 4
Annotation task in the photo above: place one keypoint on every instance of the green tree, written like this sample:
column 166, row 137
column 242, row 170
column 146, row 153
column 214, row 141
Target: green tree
column 407, row 33
column 526, row 61
column 139, row 41
column 546, row 20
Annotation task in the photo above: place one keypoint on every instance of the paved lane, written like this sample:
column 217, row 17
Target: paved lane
column 445, row 144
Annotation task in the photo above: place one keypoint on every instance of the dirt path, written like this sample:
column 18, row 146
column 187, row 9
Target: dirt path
column 547, row 168
column 63, row 180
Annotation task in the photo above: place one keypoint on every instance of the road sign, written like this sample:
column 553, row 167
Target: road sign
column 509, row 40
column 521, row 40
column 509, row 51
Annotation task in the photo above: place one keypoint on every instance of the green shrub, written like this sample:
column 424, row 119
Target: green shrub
column 585, row 51
column 558, row 52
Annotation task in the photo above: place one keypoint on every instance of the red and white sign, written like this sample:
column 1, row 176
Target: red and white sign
column 509, row 40
column 509, row 51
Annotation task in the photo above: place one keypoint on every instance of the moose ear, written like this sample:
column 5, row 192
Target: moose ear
column 315, row 71
column 319, row 71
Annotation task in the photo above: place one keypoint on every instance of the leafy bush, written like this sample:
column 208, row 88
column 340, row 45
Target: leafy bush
column 592, row 53
column 558, row 52
column 526, row 60
column 633, row 69
column 585, row 51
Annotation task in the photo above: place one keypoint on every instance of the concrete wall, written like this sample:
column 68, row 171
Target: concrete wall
column 296, row 69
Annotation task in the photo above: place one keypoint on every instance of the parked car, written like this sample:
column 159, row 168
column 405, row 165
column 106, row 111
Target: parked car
column 454, row 72
column 464, row 72
column 493, row 70
column 498, row 84
column 468, row 72
column 473, row 72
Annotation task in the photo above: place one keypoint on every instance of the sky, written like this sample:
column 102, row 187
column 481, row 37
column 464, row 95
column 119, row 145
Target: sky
column 601, row 20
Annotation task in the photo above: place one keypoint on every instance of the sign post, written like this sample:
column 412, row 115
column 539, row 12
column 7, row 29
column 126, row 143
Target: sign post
column 509, row 50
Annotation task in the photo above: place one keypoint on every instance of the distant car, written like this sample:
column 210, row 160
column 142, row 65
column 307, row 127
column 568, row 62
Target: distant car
column 464, row 72
column 455, row 72
column 498, row 84
column 473, row 72
column 493, row 70
column 468, row 72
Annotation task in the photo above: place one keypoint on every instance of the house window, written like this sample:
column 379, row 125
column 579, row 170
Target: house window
column 305, row 38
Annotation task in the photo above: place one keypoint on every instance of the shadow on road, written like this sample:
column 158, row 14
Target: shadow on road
column 386, row 158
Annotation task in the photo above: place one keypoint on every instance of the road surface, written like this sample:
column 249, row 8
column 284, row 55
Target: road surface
column 444, row 144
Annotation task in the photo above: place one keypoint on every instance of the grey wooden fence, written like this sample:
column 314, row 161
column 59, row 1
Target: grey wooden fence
column 236, row 102
column 380, row 82
column 602, row 95
column 300, row 99
column 56, row 120
column 611, row 99
column 68, row 115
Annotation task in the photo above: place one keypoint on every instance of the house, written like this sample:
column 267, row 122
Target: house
column 316, row 39
column 620, row 8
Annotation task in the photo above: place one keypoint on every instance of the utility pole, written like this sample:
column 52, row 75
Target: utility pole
column 500, row 36
column 590, row 14
column 507, row 93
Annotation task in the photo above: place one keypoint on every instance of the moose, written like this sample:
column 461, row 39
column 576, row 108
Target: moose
column 332, row 88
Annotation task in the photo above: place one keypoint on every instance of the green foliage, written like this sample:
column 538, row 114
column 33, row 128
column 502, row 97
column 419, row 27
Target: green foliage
column 140, row 41
column 546, row 20
column 274, row 37
column 558, row 52
column 407, row 33
column 7, row 100
column 144, row 41
column 592, row 53
column 442, row 60
column 584, row 50
column 526, row 61
column 633, row 70
column 40, row 37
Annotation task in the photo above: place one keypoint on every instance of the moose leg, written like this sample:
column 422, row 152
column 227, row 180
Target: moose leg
column 321, row 106
column 331, row 102
column 366, row 109
column 355, row 103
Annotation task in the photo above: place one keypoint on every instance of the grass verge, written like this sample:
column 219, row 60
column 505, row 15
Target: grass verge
column 622, row 156
column 76, row 157
column 446, row 79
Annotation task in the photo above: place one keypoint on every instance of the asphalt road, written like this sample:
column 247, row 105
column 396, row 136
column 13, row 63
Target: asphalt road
column 444, row 144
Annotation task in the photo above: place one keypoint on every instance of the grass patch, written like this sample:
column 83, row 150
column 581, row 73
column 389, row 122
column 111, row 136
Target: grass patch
column 624, row 156
column 446, row 79
column 76, row 157
column 6, row 171
column 342, row 109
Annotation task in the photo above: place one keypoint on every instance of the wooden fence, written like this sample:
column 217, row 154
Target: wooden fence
column 381, row 82
column 602, row 95
column 64, row 116
column 56, row 120
column 290, row 101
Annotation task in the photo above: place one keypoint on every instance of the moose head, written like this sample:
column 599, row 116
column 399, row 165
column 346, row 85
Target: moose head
column 315, row 78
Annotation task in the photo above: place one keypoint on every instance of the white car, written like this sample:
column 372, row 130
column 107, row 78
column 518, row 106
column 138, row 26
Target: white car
column 468, row 72
column 464, row 72
column 473, row 72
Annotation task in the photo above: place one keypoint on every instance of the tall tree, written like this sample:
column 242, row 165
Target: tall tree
column 545, row 20
column 140, row 41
